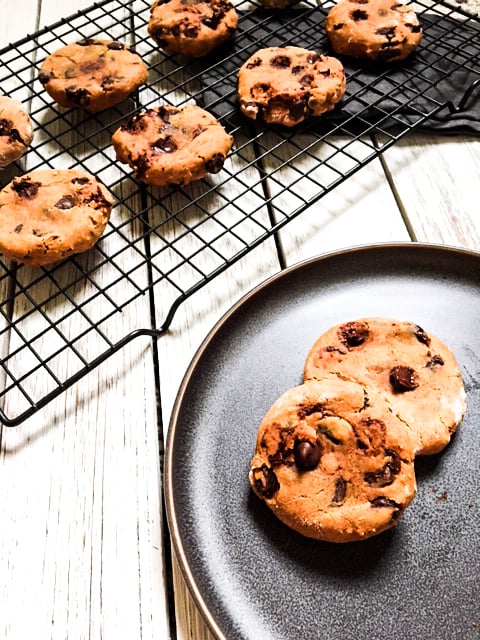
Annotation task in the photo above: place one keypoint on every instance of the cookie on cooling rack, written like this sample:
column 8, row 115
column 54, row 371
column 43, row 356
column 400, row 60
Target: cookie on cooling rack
column 416, row 373
column 50, row 214
column 93, row 74
column 16, row 130
column 170, row 146
column 332, row 462
column 286, row 85
column 380, row 30
column 192, row 27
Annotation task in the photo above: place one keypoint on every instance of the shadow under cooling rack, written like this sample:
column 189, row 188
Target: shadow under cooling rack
column 161, row 245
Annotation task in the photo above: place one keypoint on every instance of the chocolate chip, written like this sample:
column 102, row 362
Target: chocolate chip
column 265, row 481
column 298, row 109
column 215, row 164
column 78, row 96
column 421, row 336
column 18, row 228
column 386, row 475
column 339, row 493
column 107, row 82
column 254, row 63
column 307, row 454
column 197, row 131
column 338, row 26
column 25, row 188
column 87, row 42
column 44, row 77
column 136, row 123
column 297, row 69
column 141, row 166
column 219, row 11
column 165, row 112
column 358, row 15
column 435, row 361
column 305, row 410
column 166, row 144
column 80, row 180
column 190, row 31
column 353, row 334
column 306, row 80
column 115, row 45
column 415, row 28
column 280, row 62
column 403, row 379
column 314, row 57
column 382, row 502
column 388, row 32
column 66, row 202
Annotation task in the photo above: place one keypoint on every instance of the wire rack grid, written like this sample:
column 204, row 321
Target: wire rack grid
column 61, row 321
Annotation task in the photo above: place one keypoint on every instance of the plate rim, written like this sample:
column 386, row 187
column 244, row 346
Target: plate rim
column 172, row 522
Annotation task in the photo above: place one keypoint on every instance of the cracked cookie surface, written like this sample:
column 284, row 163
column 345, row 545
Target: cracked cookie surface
column 332, row 462
column 380, row 30
column 192, row 27
column 92, row 74
column 170, row 146
column 416, row 373
column 286, row 85
column 49, row 214
column 16, row 130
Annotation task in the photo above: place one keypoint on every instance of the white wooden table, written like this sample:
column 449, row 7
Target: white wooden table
column 81, row 551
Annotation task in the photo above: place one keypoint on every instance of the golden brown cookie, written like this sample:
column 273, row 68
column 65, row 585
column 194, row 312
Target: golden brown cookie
column 192, row 27
column 286, row 85
column 169, row 146
column 332, row 462
column 93, row 74
column 382, row 30
column 415, row 372
column 50, row 214
column 16, row 130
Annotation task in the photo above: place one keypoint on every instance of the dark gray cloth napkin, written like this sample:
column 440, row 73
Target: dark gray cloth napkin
column 438, row 87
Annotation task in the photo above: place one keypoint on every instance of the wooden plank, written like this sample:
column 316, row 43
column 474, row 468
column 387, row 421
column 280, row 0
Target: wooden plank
column 81, row 538
column 445, row 210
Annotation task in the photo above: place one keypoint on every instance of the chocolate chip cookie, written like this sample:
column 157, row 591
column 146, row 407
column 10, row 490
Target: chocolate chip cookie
column 286, row 85
column 416, row 373
column 192, row 27
column 50, row 214
column 93, row 74
column 168, row 146
column 380, row 30
column 332, row 462
column 16, row 130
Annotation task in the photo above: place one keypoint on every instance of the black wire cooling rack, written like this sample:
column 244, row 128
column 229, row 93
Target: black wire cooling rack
column 166, row 244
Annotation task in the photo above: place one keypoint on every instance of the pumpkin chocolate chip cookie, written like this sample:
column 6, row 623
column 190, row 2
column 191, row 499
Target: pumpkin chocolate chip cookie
column 192, row 27
column 169, row 146
column 333, row 462
column 16, row 130
column 93, row 74
column 416, row 373
column 50, row 214
column 380, row 30
column 286, row 85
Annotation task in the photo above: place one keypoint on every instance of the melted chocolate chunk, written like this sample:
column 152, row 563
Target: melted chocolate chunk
column 414, row 28
column 358, row 15
column 215, row 164
column 280, row 62
column 307, row 454
column 305, row 410
column 137, row 122
column 25, row 188
column 339, row 493
column 141, row 166
column 353, row 334
column 165, row 112
column 386, row 475
column 18, row 228
column 78, row 96
column 338, row 26
column 166, row 145
column 265, row 481
column 314, row 57
column 298, row 109
column 254, row 63
column 421, row 336
column 7, row 129
column 306, row 80
column 66, row 202
column 403, row 379
column 191, row 31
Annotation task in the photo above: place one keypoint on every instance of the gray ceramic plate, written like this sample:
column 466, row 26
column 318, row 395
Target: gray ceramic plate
column 249, row 574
